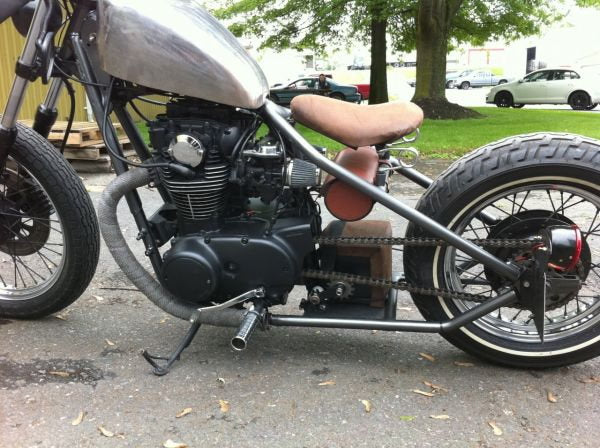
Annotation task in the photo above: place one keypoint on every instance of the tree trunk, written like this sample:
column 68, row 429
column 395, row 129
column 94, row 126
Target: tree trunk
column 434, row 19
column 379, row 89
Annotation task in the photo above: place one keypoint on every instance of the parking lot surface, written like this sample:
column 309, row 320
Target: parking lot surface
column 76, row 379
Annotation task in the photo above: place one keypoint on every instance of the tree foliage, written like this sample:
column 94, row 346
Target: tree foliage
column 321, row 24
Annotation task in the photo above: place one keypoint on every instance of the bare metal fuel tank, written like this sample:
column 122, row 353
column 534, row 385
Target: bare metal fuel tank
column 177, row 46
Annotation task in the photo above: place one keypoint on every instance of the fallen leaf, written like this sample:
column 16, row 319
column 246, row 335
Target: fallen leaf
column 426, row 394
column 221, row 380
column 170, row 444
column 463, row 364
column 435, row 386
column 427, row 356
column 497, row 430
column 327, row 383
column 59, row 373
column 367, row 404
column 99, row 298
column 589, row 380
column 224, row 404
column 109, row 342
column 440, row 417
column 183, row 412
column 550, row 396
column 404, row 308
column 78, row 419
column 105, row 432
column 407, row 418
column 60, row 316
column 162, row 321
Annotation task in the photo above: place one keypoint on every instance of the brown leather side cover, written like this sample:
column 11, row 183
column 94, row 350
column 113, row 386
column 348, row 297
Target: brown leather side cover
column 343, row 201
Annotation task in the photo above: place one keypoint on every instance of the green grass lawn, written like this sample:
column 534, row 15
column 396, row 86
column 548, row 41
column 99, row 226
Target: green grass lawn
column 452, row 139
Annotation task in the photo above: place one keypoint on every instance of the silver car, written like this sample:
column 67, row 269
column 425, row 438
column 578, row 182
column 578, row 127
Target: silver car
column 479, row 78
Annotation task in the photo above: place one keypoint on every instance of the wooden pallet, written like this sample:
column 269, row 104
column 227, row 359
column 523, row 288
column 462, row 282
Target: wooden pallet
column 83, row 133
column 95, row 152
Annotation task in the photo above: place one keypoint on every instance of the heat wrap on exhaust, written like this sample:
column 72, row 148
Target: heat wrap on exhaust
column 137, row 274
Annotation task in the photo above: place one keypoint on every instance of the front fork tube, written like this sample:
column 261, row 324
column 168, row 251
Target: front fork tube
column 8, row 130
column 46, row 114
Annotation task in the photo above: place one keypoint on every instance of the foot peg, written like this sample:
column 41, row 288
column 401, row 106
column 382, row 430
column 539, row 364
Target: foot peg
column 254, row 316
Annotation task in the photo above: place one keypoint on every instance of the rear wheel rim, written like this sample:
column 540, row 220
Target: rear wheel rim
column 24, row 277
column 516, row 325
column 579, row 101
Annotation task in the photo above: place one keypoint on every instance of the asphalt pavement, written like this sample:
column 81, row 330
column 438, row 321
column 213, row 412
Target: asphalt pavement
column 76, row 379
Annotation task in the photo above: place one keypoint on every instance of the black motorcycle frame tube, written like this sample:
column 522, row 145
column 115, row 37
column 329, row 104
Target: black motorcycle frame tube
column 506, row 270
column 141, row 149
column 95, row 96
column 503, row 299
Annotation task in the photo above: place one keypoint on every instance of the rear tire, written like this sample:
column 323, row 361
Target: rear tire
column 518, row 106
column 72, row 248
column 579, row 100
column 592, row 106
column 541, row 164
column 337, row 96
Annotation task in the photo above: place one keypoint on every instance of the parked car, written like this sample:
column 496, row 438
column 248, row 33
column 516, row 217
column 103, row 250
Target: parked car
column 549, row 86
column 451, row 77
column 302, row 86
column 479, row 78
column 364, row 90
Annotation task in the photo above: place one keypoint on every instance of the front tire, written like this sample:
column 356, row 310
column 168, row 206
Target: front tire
column 504, row 99
column 465, row 85
column 526, row 178
column 43, row 272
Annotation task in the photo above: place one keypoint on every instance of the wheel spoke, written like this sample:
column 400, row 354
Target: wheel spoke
column 522, row 209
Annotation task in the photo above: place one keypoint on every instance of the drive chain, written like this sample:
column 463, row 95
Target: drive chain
column 402, row 285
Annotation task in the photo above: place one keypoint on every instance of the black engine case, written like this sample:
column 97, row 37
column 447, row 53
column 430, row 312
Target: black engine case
column 219, row 265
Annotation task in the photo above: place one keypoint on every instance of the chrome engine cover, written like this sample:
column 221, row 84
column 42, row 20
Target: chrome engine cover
column 177, row 46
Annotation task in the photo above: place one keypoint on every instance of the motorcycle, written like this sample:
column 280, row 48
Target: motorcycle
column 500, row 254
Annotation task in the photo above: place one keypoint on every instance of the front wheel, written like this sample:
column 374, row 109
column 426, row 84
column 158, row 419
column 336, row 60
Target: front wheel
column 504, row 99
column 49, row 239
column 465, row 85
column 526, row 184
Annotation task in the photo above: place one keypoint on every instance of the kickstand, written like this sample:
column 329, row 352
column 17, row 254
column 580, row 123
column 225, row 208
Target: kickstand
column 160, row 370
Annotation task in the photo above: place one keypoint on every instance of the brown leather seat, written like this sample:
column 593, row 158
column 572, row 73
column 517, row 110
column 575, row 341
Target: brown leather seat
column 357, row 125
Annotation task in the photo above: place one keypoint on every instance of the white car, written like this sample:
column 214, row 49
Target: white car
column 548, row 86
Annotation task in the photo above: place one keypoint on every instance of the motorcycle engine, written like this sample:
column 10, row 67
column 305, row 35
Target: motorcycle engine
column 245, row 219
